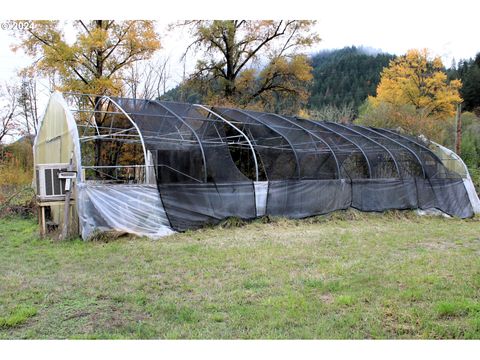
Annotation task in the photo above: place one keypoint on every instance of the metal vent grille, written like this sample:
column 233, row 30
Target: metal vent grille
column 49, row 186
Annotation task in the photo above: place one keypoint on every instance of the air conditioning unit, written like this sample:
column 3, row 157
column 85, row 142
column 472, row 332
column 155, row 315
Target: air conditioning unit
column 49, row 186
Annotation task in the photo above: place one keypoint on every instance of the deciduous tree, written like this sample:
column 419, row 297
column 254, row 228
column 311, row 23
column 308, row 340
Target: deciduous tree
column 28, row 104
column 251, row 61
column 416, row 79
column 94, row 62
column 147, row 80
column 8, row 112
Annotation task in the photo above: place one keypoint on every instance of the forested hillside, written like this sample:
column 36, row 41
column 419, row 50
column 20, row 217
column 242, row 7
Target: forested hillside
column 345, row 76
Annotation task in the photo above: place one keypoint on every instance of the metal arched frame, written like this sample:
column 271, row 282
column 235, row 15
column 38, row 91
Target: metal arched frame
column 415, row 143
column 398, row 143
column 373, row 141
column 315, row 136
column 254, row 118
column 94, row 120
column 239, row 131
column 178, row 117
column 318, row 123
column 145, row 158
column 410, row 141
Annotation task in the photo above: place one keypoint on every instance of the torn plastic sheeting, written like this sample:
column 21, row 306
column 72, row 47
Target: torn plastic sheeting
column 261, row 191
column 134, row 209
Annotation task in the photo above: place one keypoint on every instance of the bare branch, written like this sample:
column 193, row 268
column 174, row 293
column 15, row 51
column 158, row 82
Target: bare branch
column 8, row 112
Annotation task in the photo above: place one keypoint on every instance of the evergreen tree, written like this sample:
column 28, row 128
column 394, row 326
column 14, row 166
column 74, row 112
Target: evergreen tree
column 350, row 74
column 468, row 71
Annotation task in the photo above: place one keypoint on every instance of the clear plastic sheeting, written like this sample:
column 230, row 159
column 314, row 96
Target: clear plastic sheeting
column 472, row 194
column 134, row 209
column 261, row 192
column 431, row 212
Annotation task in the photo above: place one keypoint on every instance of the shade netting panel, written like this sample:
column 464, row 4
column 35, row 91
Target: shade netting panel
column 384, row 194
column 447, row 195
column 190, row 206
column 209, row 162
column 299, row 199
column 187, row 145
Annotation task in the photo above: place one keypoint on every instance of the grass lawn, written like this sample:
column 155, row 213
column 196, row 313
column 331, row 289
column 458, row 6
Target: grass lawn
column 347, row 275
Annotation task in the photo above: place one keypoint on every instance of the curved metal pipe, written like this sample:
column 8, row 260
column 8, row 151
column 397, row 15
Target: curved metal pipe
column 318, row 123
column 145, row 158
column 316, row 136
column 375, row 142
column 276, row 131
column 400, row 144
column 415, row 143
column 193, row 132
column 240, row 131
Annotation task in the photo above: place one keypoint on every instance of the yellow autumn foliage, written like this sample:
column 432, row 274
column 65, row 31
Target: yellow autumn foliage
column 94, row 61
column 415, row 79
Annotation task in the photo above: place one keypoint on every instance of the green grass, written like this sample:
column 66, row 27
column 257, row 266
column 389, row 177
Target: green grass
column 348, row 275
column 17, row 316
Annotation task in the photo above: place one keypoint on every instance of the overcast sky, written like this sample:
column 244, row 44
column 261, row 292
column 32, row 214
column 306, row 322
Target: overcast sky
column 448, row 28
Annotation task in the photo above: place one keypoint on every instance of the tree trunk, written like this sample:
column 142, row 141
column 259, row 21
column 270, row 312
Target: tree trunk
column 97, row 115
column 458, row 140
column 230, row 88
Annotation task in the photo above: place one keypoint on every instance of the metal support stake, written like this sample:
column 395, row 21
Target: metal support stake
column 66, row 209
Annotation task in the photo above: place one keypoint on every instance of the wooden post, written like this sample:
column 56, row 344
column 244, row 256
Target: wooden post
column 39, row 217
column 458, row 138
column 43, row 226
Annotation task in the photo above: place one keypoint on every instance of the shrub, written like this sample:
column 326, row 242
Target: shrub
column 404, row 118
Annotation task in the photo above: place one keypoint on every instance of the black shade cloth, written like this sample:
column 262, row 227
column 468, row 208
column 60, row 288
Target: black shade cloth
column 384, row 194
column 190, row 206
column 299, row 199
column 207, row 159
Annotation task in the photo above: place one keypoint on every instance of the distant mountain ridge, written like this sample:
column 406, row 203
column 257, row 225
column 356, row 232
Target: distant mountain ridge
column 346, row 76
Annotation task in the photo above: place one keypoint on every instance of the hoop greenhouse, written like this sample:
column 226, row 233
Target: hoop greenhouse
column 151, row 167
